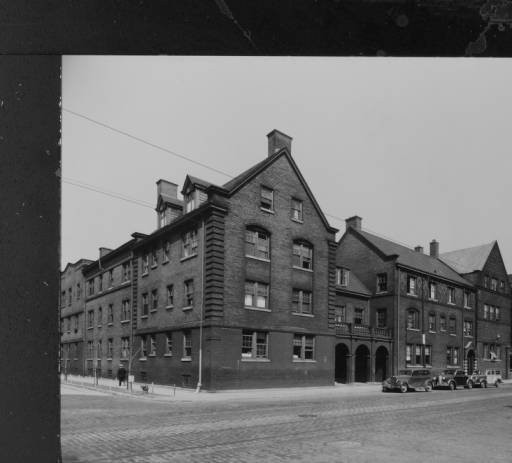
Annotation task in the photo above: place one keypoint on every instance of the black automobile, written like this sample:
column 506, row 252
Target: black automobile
column 452, row 378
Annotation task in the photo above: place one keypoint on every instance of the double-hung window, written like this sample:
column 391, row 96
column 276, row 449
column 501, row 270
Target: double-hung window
column 257, row 244
column 152, row 345
column 303, row 255
column 382, row 282
column 125, row 310
column 451, row 295
column 154, row 300
column 145, row 304
column 145, row 264
column 256, row 294
column 382, row 318
column 359, row 316
column 452, row 325
column 189, row 293
column 432, row 291
column 126, row 271
column 267, row 199
column 187, row 345
column 170, row 296
column 411, row 285
column 296, row 210
column 110, row 314
column 342, row 275
column 301, row 301
column 189, row 244
column 303, row 347
column 412, row 319
column 432, row 322
column 254, row 344
column 125, row 347
column 143, row 346
column 168, row 344
column 468, row 328
column 452, row 355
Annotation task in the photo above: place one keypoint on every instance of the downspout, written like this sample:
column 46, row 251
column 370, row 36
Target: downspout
column 130, row 351
column 200, row 366
column 397, row 345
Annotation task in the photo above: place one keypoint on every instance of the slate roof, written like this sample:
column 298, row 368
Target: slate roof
column 410, row 258
column 246, row 174
column 355, row 285
column 468, row 260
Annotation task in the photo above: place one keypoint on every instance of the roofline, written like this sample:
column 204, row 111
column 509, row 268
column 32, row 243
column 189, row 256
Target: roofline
column 368, row 243
column 438, row 277
column 353, row 293
column 112, row 254
column 77, row 263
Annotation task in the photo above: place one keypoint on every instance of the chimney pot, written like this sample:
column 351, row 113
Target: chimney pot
column 278, row 140
column 419, row 249
column 166, row 188
column 434, row 248
column 354, row 222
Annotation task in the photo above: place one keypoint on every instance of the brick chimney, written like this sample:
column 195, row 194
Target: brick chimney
column 278, row 140
column 169, row 207
column 419, row 249
column 104, row 252
column 434, row 248
column 163, row 187
column 354, row 222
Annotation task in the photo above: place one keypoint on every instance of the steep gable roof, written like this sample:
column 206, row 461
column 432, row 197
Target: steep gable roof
column 190, row 180
column 468, row 260
column 355, row 285
column 410, row 258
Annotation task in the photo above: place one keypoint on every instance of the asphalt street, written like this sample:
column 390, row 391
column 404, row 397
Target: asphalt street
column 332, row 426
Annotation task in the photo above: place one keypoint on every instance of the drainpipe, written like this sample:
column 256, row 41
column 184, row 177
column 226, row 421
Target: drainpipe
column 397, row 344
column 200, row 366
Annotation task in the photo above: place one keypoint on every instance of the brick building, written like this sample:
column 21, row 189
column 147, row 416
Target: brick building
column 72, row 302
column 424, row 305
column 483, row 266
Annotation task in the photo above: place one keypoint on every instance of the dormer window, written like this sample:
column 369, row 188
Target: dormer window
column 267, row 199
column 342, row 275
column 190, row 201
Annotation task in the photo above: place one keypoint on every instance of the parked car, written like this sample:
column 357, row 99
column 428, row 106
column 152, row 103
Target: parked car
column 493, row 377
column 409, row 379
column 478, row 379
column 452, row 378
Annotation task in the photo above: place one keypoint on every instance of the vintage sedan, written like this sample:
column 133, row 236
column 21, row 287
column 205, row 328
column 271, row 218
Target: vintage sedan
column 478, row 379
column 409, row 380
column 451, row 378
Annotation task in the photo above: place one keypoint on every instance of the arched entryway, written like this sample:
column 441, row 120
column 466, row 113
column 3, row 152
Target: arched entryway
column 341, row 363
column 362, row 364
column 381, row 364
column 470, row 361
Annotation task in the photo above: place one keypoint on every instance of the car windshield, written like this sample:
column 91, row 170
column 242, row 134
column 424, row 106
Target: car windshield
column 405, row 372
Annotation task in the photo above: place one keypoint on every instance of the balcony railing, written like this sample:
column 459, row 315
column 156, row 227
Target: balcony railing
column 352, row 329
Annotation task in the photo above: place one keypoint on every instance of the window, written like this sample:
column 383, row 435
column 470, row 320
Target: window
column 427, row 355
column 90, row 349
column 110, row 278
column 145, row 305
column 110, row 348
column 267, row 199
column 486, row 281
column 99, row 348
column 254, row 344
column 187, row 345
column 143, row 346
column 411, row 285
column 451, row 295
column 432, row 290
column 442, row 322
column 467, row 299
column 90, row 319
column 63, row 298
column 359, row 316
column 486, row 312
column 256, row 294
column 257, row 244
column 418, row 354
column 432, row 322
column 497, row 309
column 78, row 291
column 125, row 347
column 302, row 255
column 301, row 301
column 382, row 318
column 168, row 344
column 126, row 271
column 100, row 316
column 100, row 283
column 190, row 201
column 412, row 319
column 167, row 251
column 152, row 345
column 110, row 314
column 296, row 210
column 492, row 351
column 189, row 293
column 452, row 355
column 75, row 323
column 90, row 287
column 468, row 328
column 145, row 264
column 492, row 313
column 189, row 244
column 382, row 282
column 303, row 347
column 154, row 300
column 342, row 275
column 339, row 314
column 154, row 258
column 70, row 296
column 125, row 310
column 452, row 325
column 502, row 286
column 170, row 296
column 494, row 284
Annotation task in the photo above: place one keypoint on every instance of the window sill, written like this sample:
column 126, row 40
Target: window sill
column 145, row 274
column 167, row 355
column 152, row 355
column 123, row 322
column 126, row 282
column 450, row 303
column 257, row 309
column 169, row 307
column 153, row 310
column 382, row 292
column 430, row 331
column 254, row 360
column 188, row 307
column 303, row 361
column 165, row 262
column 467, row 307
column 269, row 211
column 109, row 359
column 143, row 316
column 99, row 326
column 186, row 359
column 109, row 324
column 154, row 266
column 183, row 259
column 468, row 335
column 413, row 329
column 412, row 294
column 308, row 315
column 303, row 269
column 143, row 359
column 433, row 300
column 90, row 327
column 262, row 259
column 297, row 220
column 453, row 334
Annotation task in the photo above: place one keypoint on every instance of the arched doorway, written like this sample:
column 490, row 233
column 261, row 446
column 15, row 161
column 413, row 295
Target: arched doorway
column 341, row 363
column 470, row 358
column 362, row 373
column 381, row 364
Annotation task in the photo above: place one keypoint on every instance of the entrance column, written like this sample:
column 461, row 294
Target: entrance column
column 372, row 363
column 351, row 366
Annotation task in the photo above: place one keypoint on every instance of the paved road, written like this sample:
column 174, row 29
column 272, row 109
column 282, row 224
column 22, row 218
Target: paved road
column 441, row 426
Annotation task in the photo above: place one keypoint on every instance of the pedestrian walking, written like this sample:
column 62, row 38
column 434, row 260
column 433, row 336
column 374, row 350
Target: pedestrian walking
column 121, row 374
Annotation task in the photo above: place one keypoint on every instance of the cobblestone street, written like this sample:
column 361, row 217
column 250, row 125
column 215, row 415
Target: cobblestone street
column 465, row 425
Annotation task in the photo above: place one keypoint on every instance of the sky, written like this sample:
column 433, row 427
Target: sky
column 417, row 147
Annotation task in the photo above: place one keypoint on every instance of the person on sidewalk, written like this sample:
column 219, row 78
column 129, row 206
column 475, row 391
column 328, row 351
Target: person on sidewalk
column 121, row 374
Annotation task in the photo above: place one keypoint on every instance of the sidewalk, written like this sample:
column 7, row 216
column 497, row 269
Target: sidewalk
column 157, row 391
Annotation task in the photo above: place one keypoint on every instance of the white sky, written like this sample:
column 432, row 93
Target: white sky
column 417, row 147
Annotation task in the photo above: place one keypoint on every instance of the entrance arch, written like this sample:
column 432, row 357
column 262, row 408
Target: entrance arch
column 470, row 358
column 341, row 364
column 362, row 364
column 381, row 364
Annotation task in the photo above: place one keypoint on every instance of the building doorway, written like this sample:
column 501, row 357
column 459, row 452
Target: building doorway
column 381, row 364
column 471, row 361
column 362, row 367
column 341, row 363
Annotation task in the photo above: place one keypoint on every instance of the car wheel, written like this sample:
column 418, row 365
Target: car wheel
column 470, row 384
column 452, row 386
column 403, row 388
column 484, row 384
column 428, row 387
